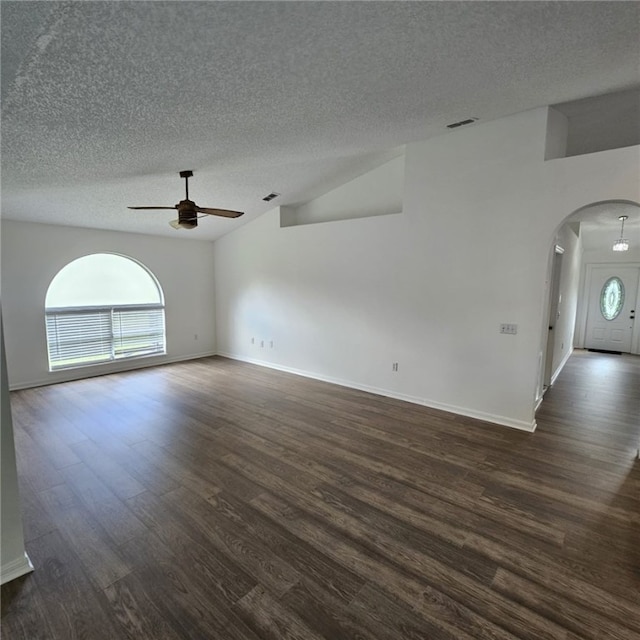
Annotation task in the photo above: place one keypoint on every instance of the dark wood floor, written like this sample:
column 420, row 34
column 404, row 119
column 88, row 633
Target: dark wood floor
column 216, row 499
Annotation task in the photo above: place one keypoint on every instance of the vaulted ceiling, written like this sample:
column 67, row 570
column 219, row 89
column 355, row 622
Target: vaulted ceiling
column 104, row 102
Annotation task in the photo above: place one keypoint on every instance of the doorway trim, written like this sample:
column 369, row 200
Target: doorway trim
column 583, row 306
column 579, row 326
column 553, row 306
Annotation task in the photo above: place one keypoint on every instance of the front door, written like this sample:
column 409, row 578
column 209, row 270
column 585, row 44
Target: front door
column 612, row 307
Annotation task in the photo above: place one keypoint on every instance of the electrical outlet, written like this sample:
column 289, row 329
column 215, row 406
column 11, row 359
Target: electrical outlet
column 253, row 340
column 195, row 336
column 262, row 344
column 394, row 366
column 511, row 329
column 271, row 343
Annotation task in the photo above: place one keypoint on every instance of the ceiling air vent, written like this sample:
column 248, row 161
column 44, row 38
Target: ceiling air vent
column 455, row 125
column 271, row 196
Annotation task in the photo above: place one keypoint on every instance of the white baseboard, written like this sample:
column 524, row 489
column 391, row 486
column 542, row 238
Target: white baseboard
column 78, row 374
column 505, row 421
column 538, row 403
column 16, row 568
column 557, row 372
column 94, row 371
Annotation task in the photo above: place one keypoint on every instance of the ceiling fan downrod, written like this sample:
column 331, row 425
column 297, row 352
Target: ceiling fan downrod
column 186, row 175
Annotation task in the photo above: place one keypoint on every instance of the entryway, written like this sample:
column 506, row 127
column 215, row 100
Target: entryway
column 611, row 308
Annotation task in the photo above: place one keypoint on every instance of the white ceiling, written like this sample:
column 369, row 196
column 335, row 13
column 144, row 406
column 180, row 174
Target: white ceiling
column 600, row 225
column 104, row 102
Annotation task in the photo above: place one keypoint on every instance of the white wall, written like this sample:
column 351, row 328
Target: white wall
column 557, row 134
column 427, row 288
column 32, row 254
column 14, row 561
column 377, row 192
column 606, row 256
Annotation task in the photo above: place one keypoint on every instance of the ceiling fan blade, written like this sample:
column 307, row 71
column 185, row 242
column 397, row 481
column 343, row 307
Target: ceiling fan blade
column 174, row 207
column 225, row 213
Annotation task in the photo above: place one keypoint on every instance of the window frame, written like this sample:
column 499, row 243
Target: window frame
column 122, row 331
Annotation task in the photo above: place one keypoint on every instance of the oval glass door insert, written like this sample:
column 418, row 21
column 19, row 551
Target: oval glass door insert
column 612, row 298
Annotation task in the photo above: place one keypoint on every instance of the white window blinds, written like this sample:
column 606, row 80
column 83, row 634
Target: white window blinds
column 91, row 335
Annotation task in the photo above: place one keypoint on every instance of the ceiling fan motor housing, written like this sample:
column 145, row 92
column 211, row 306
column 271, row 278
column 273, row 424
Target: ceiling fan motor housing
column 187, row 214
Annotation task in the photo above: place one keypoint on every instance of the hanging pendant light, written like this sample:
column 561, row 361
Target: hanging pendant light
column 621, row 244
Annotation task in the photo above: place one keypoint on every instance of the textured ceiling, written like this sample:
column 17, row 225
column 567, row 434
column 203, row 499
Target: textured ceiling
column 600, row 226
column 104, row 102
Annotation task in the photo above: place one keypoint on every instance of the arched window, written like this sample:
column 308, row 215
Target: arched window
column 100, row 308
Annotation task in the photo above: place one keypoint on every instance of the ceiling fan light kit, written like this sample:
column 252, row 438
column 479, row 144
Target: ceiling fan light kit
column 183, row 224
column 188, row 210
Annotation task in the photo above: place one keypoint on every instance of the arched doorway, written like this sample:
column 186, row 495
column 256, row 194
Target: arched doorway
column 593, row 291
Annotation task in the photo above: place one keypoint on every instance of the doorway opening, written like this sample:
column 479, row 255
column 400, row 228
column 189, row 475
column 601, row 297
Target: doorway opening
column 593, row 292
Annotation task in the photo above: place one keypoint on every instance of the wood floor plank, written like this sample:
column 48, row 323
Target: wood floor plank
column 179, row 472
column 137, row 613
column 125, row 461
column 614, row 568
column 552, row 576
column 100, row 560
column 218, row 499
column 580, row 620
column 52, row 447
column 448, row 615
column 191, row 547
column 593, row 505
column 74, row 608
column 586, row 550
column 205, row 455
column 386, row 612
column 42, row 474
column 249, row 552
column 198, row 609
column 41, row 409
column 461, row 583
column 327, row 616
column 35, row 519
column 116, row 519
column 331, row 576
column 458, row 506
column 24, row 613
column 331, row 502
column 373, row 473
column 112, row 474
column 94, row 411
column 270, row 620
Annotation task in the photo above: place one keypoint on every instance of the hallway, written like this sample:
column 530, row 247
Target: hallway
column 588, row 434
column 598, row 396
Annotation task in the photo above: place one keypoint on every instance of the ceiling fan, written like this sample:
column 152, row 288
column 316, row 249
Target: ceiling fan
column 188, row 210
